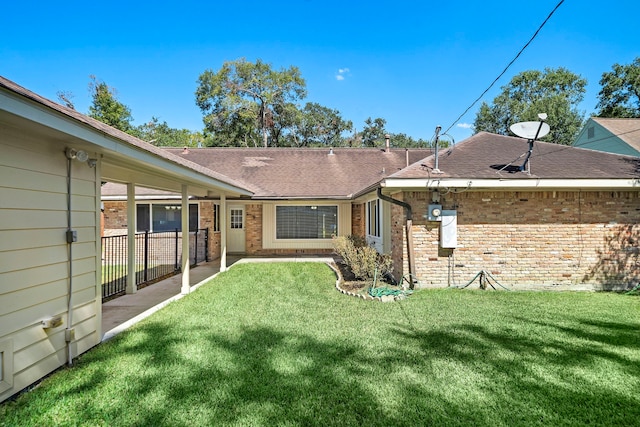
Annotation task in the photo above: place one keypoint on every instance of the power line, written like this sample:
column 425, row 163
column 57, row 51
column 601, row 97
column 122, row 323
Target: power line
column 507, row 67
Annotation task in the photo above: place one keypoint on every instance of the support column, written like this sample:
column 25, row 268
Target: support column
column 186, row 288
column 131, row 238
column 223, row 233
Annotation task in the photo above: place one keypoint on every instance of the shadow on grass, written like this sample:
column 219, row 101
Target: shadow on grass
column 470, row 375
column 407, row 372
column 553, row 378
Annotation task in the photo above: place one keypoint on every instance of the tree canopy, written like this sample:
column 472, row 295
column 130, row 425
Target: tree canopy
column 243, row 99
column 556, row 92
column 106, row 108
column 620, row 92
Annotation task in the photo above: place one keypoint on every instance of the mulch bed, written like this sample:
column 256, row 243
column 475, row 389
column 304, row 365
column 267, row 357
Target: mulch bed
column 350, row 283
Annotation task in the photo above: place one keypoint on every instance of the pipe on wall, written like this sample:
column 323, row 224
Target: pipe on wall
column 408, row 227
column 70, row 263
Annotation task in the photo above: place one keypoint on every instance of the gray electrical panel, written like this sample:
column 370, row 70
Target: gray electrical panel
column 449, row 229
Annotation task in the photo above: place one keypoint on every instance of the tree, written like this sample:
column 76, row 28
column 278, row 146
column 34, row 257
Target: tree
column 242, row 93
column 402, row 140
column 162, row 135
column 620, row 93
column 106, row 108
column 556, row 92
column 66, row 98
column 373, row 133
column 321, row 125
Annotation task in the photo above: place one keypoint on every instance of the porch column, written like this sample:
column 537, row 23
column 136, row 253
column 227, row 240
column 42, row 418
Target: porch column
column 131, row 238
column 185, row 241
column 223, row 233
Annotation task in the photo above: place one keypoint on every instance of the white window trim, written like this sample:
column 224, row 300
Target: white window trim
column 376, row 241
column 269, row 240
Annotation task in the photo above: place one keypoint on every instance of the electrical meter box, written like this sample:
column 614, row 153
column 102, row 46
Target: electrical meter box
column 449, row 229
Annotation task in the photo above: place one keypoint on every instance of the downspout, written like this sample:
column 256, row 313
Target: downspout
column 408, row 227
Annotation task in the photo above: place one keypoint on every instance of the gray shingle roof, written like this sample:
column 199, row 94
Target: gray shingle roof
column 487, row 156
column 303, row 172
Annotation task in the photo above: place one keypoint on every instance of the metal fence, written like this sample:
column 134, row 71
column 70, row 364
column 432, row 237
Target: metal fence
column 158, row 255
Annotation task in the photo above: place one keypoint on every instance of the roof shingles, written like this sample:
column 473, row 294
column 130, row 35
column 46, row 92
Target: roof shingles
column 487, row 156
column 303, row 172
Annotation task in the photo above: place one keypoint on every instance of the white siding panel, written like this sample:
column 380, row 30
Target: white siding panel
column 84, row 296
column 39, row 350
column 13, row 198
column 34, row 276
column 16, row 219
column 31, row 154
column 31, row 335
column 27, row 297
column 26, row 258
column 33, row 252
column 35, row 372
column 31, row 316
column 33, row 180
column 12, row 240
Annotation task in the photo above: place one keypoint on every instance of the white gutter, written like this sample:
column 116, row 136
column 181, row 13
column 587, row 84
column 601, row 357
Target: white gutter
column 505, row 183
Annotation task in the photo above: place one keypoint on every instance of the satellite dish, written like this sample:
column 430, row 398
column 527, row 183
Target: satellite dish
column 530, row 130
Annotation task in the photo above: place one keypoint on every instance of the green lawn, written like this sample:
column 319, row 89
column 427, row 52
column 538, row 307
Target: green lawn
column 276, row 344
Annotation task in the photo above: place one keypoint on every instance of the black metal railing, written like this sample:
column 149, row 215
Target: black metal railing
column 158, row 255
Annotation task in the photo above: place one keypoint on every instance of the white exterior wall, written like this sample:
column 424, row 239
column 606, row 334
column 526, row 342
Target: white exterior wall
column 34, row 269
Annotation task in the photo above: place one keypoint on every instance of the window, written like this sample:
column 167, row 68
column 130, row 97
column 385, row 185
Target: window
column 306, row 222
column 143, row 218
column 216, row 217
column 235, row 222
column 591, row 132
column 373, row 218
column 164, row 217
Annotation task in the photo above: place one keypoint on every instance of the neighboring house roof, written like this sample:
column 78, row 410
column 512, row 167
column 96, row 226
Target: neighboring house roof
column 281, row 173
column 115, row 191
column 111, row 152
column 621, row 136
column 486, row 158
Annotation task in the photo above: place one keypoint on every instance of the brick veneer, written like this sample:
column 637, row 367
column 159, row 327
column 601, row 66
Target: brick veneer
column 528, row 239
column 358, row 223
column 115, row 215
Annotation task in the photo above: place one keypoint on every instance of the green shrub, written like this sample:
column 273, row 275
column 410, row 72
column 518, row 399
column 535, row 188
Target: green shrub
column 363, row 260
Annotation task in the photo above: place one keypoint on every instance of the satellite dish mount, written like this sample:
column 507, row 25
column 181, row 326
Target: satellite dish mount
column 531, row 131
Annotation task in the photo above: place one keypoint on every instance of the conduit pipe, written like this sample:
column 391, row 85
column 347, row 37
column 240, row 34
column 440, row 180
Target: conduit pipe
column 70, row 263
column 408, row 227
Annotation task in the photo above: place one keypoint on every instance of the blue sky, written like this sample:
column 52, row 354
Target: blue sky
column 417, row 64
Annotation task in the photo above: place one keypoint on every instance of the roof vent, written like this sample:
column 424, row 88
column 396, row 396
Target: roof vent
column 331, row 151
column 185, row 150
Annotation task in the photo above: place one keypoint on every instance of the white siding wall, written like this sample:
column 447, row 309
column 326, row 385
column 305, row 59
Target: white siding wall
column 33, row 257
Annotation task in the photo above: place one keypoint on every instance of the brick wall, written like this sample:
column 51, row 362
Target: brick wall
column 529, row 239
column 358, row 219
column 206, row 221
column 115, row 216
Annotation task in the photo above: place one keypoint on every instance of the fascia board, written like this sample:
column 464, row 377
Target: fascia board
column 532, row 184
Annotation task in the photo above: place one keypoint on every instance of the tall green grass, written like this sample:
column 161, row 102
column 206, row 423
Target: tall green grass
column 275, row 344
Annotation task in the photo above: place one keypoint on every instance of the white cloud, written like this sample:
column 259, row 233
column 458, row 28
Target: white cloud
column 341, row 73
column 464, row 125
